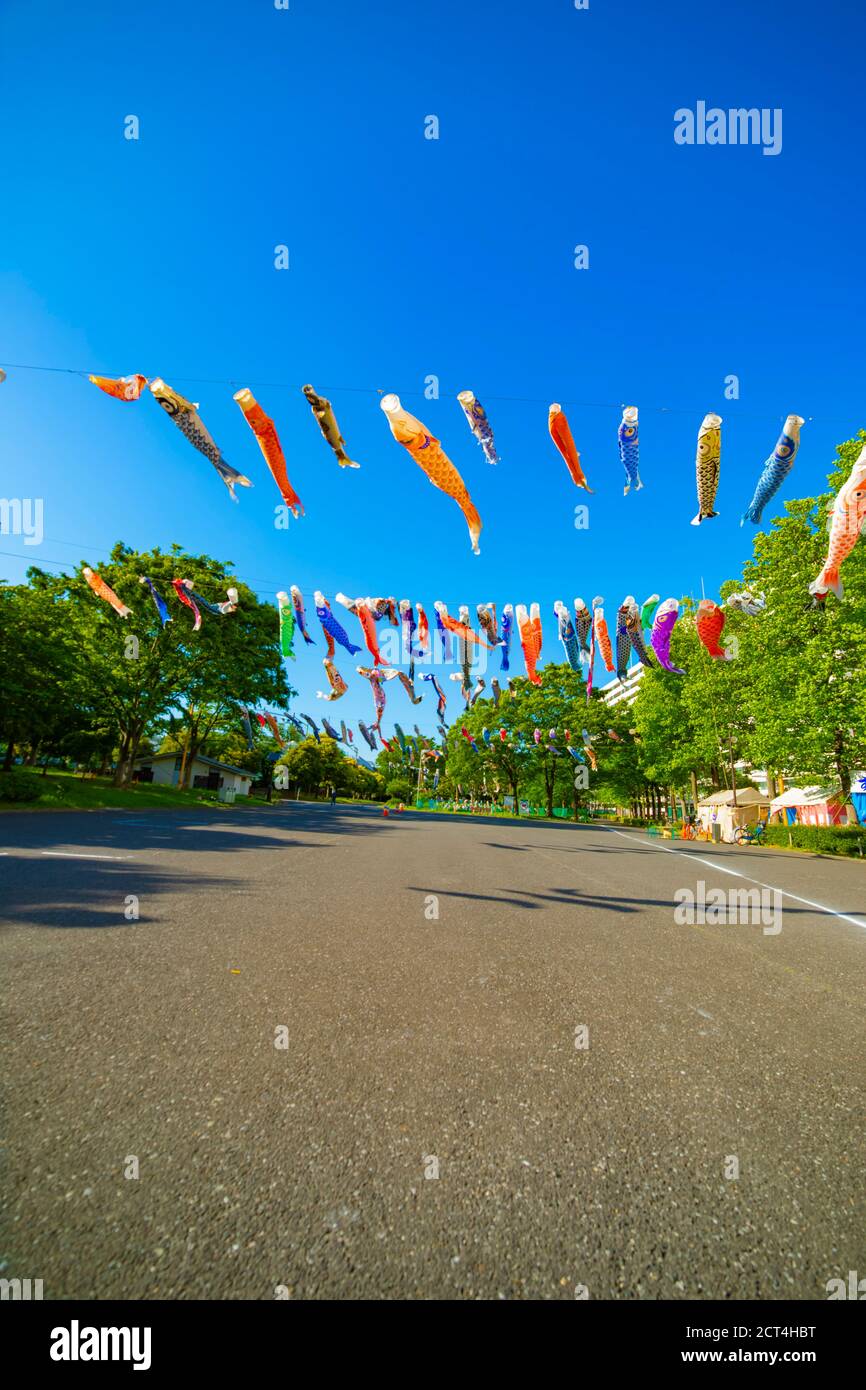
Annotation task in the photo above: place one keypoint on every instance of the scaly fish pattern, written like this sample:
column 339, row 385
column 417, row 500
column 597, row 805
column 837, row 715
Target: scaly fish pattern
column 628, row 449
column 268, row 441
column 327, row 423
column 710, row 625
column 846, row 523
column 104, row 591
column 335, row 680
column 331, row 627
column 708, row 462
column 567, row 635
column 427, row 451
column 775, row 470
column 287, row 624
column 529, row 627
column 298, row 605
column 479, row 424
column 602, row 636
column 185, row 415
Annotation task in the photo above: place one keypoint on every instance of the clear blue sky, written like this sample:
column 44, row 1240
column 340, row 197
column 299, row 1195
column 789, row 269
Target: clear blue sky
column 411, row 257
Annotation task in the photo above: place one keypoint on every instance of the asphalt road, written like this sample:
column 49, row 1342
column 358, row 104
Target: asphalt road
column 419, row 1044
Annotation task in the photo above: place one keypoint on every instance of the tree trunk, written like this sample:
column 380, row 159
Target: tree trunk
column 841, row 762
column 119, row 779
column 10, row 753
column 513, row 785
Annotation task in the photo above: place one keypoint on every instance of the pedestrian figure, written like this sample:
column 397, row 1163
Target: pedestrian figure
column 333, row 794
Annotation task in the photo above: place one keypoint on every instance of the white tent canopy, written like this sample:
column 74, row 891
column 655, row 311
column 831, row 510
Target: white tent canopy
column 746, row 796
column 804, row 796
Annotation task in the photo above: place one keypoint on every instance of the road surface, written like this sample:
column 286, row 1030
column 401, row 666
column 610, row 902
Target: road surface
column 504, row 1070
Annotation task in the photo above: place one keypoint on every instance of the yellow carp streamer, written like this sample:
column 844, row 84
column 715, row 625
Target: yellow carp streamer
column 428, row 453
column 327, row 422
column 185, row 415
column 708, row 463
column 103, row 590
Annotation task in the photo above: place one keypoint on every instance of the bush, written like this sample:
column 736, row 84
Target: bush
column 19, row 784
column 400, row 790
column 822, row 839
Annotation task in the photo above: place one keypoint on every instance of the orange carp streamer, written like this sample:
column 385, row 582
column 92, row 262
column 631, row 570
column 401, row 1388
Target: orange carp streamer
column 102, row 590
column 265, row 432
column 428, row 453
column 529, row 627
column 710, row 624
column 846, row 524
column 602, row 636
column 462, row 629
column 123, row 388
column 562, row 438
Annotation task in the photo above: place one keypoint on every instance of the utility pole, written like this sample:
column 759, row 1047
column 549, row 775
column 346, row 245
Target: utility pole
column 733, row 774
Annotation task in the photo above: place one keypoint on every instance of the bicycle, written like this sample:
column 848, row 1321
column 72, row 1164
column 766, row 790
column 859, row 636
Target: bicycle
column 749, row 834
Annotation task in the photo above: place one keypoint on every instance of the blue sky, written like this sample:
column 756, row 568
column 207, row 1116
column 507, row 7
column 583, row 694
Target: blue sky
column 411, row 257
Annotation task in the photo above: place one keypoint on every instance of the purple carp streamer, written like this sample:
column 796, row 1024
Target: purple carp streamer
column 479, row 424
column 161, row 607
column 185, row 415
column 660, row 639
column 298, row 605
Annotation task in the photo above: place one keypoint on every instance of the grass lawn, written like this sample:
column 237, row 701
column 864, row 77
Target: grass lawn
column 67, row 791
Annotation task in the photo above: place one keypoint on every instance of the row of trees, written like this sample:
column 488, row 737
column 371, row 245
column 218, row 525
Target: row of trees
column 80, row 684
column 791, row 700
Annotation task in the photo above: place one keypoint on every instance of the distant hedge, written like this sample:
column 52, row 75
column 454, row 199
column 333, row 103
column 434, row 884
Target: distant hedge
column 19, row 784
column 823, row 839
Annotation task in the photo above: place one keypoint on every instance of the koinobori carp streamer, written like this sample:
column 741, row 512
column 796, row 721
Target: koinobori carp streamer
column 428, row 453
column 529, row 628
column 287, row 624
column 327, row 422
column 479, row 424
column 159, row 601
column 708, row 462
column 123, row 388
column 185, row 415
column 775, row 470
column 104, row 591
column 268, row 440
column 846, row 523
column 628, row 449
column 561, row 435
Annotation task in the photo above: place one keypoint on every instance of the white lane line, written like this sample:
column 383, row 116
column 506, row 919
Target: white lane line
column 59, row 854
column 831, row 912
